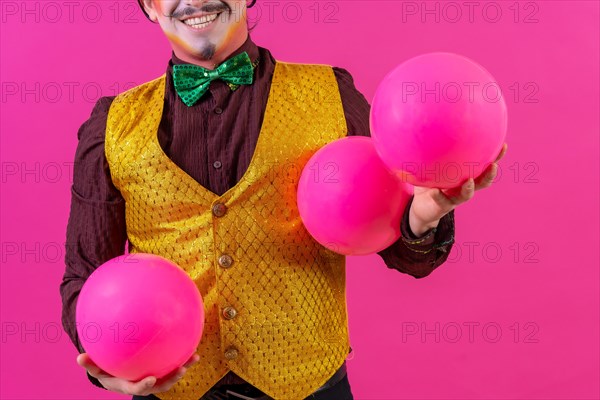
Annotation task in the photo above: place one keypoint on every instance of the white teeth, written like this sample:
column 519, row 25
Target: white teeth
column 200, row 22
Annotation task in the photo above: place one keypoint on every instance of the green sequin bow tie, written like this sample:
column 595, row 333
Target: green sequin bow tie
column 192, row 81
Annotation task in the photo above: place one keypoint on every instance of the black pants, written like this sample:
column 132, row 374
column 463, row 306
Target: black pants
column 341, row 391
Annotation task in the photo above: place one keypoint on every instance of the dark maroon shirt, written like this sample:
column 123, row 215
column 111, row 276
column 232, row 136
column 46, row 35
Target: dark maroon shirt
column 213, row 141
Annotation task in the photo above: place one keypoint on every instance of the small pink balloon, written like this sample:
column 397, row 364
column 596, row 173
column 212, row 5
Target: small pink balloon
column 139, row 315
column 348, row 200
column 438, row 119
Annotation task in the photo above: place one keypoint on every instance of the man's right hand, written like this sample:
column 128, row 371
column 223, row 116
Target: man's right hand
column 144, row 387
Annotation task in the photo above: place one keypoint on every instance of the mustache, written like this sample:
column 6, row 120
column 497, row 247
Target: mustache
column 205, row 8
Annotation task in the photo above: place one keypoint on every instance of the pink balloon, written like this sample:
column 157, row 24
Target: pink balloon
column 139, row 315
column 348, row 200
column 438, row 119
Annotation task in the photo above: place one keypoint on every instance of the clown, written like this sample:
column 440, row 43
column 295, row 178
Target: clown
column 194, row 166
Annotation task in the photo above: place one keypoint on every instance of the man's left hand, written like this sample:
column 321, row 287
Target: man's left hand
column 431, row 204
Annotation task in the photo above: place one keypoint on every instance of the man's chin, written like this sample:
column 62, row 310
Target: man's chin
column 193, row 49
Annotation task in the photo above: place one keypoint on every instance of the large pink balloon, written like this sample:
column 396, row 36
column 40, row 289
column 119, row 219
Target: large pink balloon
column 139, row 315
column 438, row 119
column 348, row 200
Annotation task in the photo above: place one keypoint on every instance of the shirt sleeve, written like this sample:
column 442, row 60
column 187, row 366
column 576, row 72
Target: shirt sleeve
column 96, row 225
column 417, row 257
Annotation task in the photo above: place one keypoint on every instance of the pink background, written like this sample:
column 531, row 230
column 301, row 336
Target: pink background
column 532, row 275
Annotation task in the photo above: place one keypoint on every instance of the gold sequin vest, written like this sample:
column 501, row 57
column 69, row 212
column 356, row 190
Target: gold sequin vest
column 275, row 299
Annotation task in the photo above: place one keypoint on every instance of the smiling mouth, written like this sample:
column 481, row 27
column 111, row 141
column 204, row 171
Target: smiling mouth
column 201, row 22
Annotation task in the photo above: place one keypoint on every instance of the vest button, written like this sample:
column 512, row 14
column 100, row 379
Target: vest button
column 225, row 261
column 229, row 312
column 219, row 209
column 218, row 110
column 231, row 353
column 217, row 164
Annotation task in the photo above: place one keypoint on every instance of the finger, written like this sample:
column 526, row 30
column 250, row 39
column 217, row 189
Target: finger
column 502, row 152
column 456, row 195
column 168, row 381
column 86, row 362
column 467, row 191
column 445, row 198
column 459, row 195
column 486, row 179
column 140, row 388
column 192, row 360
